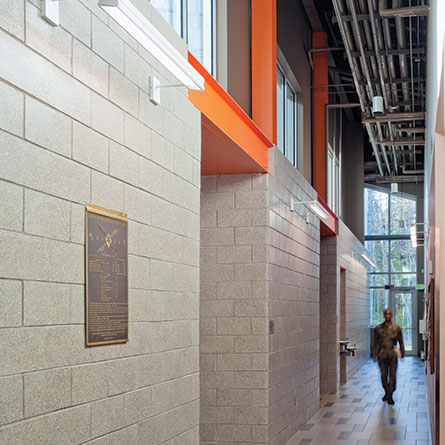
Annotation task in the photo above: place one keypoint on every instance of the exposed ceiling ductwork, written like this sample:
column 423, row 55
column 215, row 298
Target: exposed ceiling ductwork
column 409, row 11
column 385, row 47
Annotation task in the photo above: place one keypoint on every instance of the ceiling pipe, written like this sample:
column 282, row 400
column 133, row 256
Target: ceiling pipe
column 350, row 105
column 383, row 73
column 393, row 52
column 379, row 180
column 418, row 152
column 395, row 117
column 411, row 11
column 410, row 130
column 403, row 61
column 412, row 172
column 370, row 45
column 358, row 87
column 356, row 31
column 385, row 35
column 402, row 142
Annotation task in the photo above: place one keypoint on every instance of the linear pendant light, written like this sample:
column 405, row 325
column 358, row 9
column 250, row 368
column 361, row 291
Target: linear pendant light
column 133, row 21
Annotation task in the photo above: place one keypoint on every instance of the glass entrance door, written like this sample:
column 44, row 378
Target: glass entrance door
column 403, row 304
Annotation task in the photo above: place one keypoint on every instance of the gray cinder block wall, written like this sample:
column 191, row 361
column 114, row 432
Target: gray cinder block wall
column 76, row 126
column 259, row 262
column 344, row 308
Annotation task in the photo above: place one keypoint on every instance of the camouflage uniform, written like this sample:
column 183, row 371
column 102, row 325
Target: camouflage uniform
column 385, row 338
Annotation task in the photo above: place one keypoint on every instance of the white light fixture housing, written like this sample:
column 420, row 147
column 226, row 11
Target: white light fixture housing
column 413, row 235
column 377, row 106
column 394, row 187
column 315, row 206
column 364, row 255
column 134, row 22
column 417, row 236
column 368, row 259
column 155, row 92
column 50, row 11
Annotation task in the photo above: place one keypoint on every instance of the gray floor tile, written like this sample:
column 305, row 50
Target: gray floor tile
column 356, row 415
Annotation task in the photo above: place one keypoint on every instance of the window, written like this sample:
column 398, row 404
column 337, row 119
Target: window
column 287, row 118
column 387, row 238
column 171, row 10
column 333, row 181
column 193, row 21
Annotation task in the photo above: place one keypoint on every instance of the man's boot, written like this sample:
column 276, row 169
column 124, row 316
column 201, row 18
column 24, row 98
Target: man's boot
column 385, row 397
column 390, row 400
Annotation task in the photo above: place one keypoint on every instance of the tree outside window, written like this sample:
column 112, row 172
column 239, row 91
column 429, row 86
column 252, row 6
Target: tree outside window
column 387, row 221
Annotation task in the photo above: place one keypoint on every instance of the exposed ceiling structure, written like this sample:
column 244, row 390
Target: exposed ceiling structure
column 383, row 45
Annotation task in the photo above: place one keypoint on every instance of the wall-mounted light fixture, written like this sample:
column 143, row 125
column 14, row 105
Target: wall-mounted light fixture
column 417, row 236
column 134, row 22
column 314, row 205
column 413, row 235
column 364, row 255
column 368, row 259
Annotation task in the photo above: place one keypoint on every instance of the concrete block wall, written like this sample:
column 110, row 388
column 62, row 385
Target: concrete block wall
column 259, row 262
column 294, row 267
column 329, row 316
column 76, row 126
column 344, row 308
column 234, row 309
column 356, row 311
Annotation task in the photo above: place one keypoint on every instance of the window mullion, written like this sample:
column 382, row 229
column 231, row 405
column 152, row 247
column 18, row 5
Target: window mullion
column 184, row 20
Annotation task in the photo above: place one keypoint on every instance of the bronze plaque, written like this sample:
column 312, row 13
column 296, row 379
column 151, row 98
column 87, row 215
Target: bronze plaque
column 106, row 276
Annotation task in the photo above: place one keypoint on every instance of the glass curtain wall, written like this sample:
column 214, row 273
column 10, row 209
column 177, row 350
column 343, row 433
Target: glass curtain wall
column 387, row 238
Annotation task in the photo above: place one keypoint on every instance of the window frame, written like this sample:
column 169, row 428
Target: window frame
column 184, row 30
column 333, row 180
column 390, row 238
column 289, row 84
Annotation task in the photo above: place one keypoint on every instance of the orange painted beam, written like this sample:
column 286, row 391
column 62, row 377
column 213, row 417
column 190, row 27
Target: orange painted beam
column 264, row 66
column 329, row 226
column 226, row 117
column 320, row 100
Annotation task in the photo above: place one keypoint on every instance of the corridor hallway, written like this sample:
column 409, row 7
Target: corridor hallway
column 356, row 415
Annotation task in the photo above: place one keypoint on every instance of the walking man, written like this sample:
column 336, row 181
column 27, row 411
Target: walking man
column 384, row 348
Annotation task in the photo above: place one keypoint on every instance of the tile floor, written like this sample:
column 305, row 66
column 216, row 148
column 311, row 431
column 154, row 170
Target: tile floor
column 356, row 415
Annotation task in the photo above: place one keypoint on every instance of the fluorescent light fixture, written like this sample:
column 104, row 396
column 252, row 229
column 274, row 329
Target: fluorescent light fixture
column 413, row 235
column 367, row 258
column 315, row 206
column 319, row 210
column 134, row 22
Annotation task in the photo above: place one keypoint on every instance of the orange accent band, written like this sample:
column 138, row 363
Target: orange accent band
column 264, row 66
column 228, row 117
column 321, row 98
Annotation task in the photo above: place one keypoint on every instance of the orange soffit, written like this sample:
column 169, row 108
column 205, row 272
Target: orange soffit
column 228, row 122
